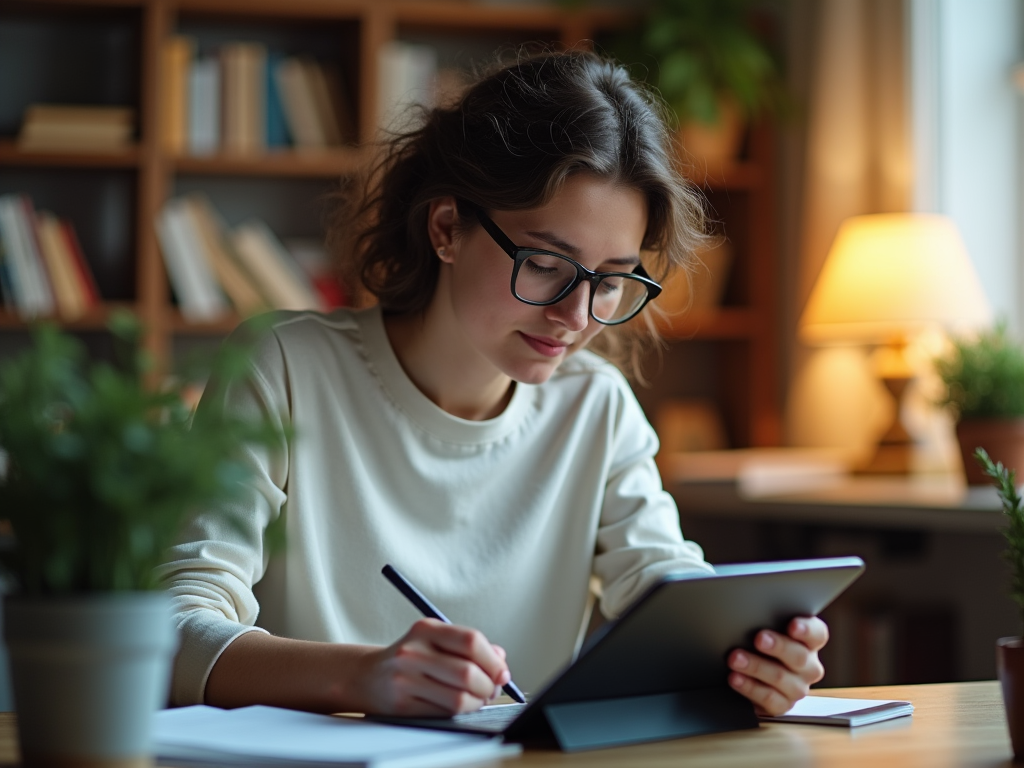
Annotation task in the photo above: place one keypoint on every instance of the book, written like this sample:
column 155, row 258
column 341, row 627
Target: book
column 86, row 280
column 278, row 276
column 71, row 300
column 237, row 284
column 297, row 99
column 199, row 295
column 408, row 75
column 204, row 106
column 48, row 127
column 277, row 124
column 260, row 736
column 326, row 101
column 828, row 710
column 175, row 65
column 244, row 98
column 32, row 293
column 311, row 256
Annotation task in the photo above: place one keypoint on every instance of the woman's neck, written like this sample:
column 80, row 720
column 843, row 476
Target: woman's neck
column 450, row 373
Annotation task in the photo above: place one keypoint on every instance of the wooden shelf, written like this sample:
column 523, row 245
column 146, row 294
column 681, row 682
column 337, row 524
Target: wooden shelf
column 94, row 320
column 477, row 15
column 737, row 176
column 10, row 155
column 220, row 327
column 724, row 323
column 288, row 163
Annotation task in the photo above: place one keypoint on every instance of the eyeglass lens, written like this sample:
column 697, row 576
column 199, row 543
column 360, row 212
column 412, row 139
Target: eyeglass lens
column 542, row 277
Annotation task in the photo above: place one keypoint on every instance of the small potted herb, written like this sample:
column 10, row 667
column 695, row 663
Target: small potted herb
column 712, row 69
column 984, row 378
column 1010, row 650
column 100, row 473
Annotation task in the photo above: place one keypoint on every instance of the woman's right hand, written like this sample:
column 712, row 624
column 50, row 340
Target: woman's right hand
column 435, row 669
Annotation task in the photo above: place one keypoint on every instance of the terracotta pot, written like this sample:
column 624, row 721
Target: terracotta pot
column 1002, row 438
column 1010, row 663
column 710, row 148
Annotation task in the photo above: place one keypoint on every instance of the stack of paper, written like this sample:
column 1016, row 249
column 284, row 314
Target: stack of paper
column 826, row 710
column 268, row 736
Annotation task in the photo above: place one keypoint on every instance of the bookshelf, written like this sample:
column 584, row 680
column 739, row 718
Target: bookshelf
column 116, row 195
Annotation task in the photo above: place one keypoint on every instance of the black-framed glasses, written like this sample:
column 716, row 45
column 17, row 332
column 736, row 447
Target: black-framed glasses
column 542, row 278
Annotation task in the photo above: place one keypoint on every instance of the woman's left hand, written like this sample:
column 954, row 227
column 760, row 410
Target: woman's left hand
column 785, row 667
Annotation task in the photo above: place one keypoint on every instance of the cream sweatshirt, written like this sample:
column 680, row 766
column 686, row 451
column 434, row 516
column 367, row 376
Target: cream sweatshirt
column 500, row 522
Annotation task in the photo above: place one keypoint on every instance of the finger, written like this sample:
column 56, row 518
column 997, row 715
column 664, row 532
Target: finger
column 500, row 651
column 768, row 700
column 770, row 672
column 468, row 643
column 794, row 655
column 459, row 674
column 811, row 631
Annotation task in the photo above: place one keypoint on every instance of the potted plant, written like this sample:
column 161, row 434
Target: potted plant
column 1010, row 650
column 984, row 378
column 101, row 472
column 712, row 69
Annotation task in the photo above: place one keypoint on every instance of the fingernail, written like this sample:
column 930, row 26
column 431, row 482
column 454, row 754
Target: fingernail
column 765, row 641
column 736, row 680
column 799, row 628
column 740, row 661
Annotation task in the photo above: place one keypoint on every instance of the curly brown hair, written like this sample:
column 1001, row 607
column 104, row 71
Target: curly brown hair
column 509, row 143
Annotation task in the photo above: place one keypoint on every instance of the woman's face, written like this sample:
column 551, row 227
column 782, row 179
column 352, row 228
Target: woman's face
column 598, row 223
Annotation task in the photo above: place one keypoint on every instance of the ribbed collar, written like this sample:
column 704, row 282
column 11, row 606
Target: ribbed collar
column 423, row 411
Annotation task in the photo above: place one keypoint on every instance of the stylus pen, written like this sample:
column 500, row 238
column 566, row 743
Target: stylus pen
column 428, row 609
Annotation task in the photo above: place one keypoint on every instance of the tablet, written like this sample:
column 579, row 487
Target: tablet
column 660, row 671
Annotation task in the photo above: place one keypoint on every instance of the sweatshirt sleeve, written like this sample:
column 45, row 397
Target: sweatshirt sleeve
column 220, row 555
column 639, row 539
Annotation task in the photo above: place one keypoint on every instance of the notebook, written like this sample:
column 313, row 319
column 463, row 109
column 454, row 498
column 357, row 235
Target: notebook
column 269, row 737
column 826, row 710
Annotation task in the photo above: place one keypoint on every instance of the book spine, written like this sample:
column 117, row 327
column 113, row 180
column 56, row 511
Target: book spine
column 204, row 106
column 70, row 302
column 86, row 280
column 277, row 125
column 39, row 282
column 14, row 295
column 299, row 106
column 199, row 297
column 176, row 58
column 272, row 267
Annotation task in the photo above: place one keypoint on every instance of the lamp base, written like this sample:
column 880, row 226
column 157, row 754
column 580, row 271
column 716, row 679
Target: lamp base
column 895, row 450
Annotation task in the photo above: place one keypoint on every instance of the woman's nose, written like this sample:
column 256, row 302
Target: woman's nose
column 573, row 311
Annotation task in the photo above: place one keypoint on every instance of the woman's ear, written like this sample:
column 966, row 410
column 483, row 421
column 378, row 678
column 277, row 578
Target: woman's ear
column 442, row 217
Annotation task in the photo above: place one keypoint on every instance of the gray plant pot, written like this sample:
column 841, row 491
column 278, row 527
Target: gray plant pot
column 88, row 673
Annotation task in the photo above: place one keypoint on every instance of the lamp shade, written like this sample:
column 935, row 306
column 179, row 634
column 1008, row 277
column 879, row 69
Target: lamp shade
column 888, row 275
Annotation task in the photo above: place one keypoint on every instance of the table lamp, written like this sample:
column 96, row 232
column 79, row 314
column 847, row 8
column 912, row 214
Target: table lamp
column 888, row 277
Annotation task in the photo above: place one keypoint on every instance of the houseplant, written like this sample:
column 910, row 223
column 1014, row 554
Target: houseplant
column 101, row 472
column 984, row 378
column 711, row 68
column 1010, row 650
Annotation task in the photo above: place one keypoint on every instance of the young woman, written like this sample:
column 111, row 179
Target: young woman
column 461, row 429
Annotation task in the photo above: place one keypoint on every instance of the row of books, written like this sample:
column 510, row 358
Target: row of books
column 43, row 271
column 215, row 269
column 245, row 99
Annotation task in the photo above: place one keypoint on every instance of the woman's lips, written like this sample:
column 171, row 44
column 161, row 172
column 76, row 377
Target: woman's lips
column 546, row 346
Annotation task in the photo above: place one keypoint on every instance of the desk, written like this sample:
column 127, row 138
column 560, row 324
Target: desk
column 931, row 544
column 955, row 725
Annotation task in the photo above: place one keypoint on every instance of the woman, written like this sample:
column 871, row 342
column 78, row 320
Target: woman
column 459, row 429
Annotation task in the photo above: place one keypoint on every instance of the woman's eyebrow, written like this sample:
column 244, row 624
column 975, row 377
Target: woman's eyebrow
column 569, row 249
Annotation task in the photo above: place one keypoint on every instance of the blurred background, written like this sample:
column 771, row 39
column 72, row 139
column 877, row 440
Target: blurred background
column 859, row 159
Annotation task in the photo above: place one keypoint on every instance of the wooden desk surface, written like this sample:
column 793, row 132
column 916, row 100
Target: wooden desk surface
column 929, row 503
column 955, row 725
